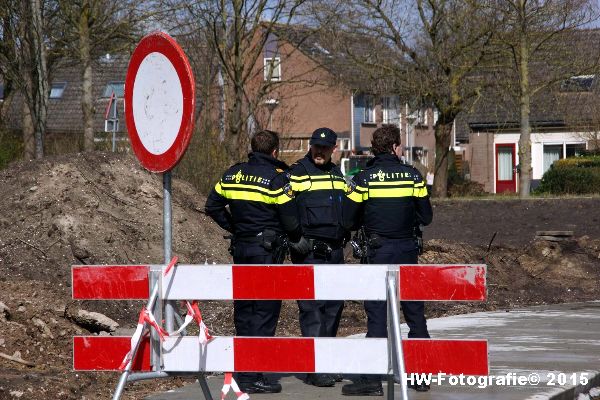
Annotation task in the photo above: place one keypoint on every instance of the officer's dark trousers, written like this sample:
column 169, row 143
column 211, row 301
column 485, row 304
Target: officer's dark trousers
column 320, row 318
column 395, row 251
column 251, row 317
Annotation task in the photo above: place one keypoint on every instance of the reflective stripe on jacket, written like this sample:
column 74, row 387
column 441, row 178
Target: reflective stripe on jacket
column 389, row 197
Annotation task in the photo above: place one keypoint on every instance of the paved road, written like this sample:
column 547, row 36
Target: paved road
column 545, row 340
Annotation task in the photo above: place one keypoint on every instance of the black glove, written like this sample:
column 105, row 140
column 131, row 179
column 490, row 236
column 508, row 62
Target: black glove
column 302, row 246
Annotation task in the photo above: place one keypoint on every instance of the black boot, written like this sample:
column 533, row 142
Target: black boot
column 420, row 387
column 261, row 385
column 363, row 387
column 320, row 380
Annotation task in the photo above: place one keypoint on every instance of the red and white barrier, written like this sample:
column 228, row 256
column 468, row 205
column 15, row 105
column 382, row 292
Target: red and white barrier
column 290, row 355
column 283, row 282
column 286, row 282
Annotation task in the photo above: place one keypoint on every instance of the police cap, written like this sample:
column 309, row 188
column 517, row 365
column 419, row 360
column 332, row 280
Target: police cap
column 324, row 137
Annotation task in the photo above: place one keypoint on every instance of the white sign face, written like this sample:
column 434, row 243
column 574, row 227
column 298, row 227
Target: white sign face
column 157, row 103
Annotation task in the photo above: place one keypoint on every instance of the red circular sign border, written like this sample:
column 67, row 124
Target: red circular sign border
column 161, row 43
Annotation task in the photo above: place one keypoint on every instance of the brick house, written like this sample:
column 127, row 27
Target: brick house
column 564, row 122
column 331, row 93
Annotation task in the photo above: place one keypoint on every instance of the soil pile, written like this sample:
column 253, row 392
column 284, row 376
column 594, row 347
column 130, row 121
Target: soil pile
column 104, row 209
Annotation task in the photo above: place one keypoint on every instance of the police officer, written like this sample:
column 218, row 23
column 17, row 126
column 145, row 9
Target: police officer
column 261, row 209
column 391, row 200
column 319, row 189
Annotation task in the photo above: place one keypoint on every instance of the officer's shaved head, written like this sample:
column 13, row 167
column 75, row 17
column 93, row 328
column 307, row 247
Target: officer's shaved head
column 265, row 142
column 384, row 139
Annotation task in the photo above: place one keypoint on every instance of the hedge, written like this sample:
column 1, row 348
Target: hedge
column 576, row 175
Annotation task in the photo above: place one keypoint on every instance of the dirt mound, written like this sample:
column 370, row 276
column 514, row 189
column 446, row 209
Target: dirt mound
column 540, row 272
column 81, row 209
column 103, row 208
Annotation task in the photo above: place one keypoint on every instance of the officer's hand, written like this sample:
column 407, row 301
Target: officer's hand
column 302, row 246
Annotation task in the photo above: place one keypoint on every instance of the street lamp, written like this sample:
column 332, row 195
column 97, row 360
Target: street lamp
column 410, row 129
column 271, row 105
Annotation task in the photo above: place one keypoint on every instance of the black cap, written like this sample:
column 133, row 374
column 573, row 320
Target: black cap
column 324, row 137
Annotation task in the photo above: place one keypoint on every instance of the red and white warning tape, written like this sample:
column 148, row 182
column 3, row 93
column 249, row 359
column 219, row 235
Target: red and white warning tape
column 170, row 266
column 204, row 336
column 145, row 317
column 194, row 314
column 231, row 383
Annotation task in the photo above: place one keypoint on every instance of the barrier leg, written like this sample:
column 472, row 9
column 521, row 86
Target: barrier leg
column 391, row 352
column 204, row 387
column 125, row 374
column 157, row 311
column 392, row 279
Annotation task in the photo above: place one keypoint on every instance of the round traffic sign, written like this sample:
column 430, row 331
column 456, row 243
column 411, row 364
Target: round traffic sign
column 159, row 102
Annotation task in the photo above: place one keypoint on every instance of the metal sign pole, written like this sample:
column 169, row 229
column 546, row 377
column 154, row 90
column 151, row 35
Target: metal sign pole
column 167, row 224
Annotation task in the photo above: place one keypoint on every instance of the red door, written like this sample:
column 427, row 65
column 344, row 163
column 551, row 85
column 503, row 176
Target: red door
column 506, row 180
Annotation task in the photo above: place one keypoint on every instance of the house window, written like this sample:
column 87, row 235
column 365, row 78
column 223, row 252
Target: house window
column 422, row 117
column 344, row 144
column 574, row 149
column 552, row 152
column 391, row 110
column 57, row 90
column 420, row 154
column 369, row 109
column 555, row 152
column 117, row 87
column 272, row 69
column 579, row 83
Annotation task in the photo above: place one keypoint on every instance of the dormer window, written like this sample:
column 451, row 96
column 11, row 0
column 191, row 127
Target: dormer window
column 57, row 90
column 578, row 83
column 117, row 87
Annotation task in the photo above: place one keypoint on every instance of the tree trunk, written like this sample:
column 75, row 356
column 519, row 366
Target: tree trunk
column 525, row 137
column 443, row 136
column 40, row 90
column 237, row 140
column 87, row 105
column 28, row 134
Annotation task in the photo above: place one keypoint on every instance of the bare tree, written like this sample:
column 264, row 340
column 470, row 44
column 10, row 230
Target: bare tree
column 237, row 32
column 91, row 28
column 536, row 49
column 434, row 49
column 24, row 61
